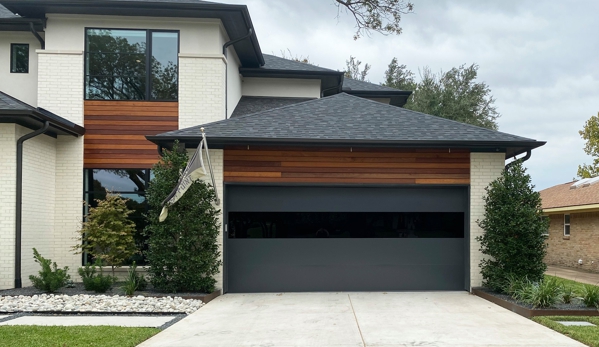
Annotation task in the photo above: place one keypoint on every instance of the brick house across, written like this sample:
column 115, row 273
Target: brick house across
column 327, row 183
column 573, row 211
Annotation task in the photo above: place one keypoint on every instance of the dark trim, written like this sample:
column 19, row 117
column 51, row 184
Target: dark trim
column 22, row 24
column 37, row 36
column 522, row 160
column 12, row 47
column 277, row 73
column 19, row 200
column 32, row 119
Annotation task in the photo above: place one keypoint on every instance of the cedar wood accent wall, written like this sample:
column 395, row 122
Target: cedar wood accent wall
column 115, row 132
column 345, row 165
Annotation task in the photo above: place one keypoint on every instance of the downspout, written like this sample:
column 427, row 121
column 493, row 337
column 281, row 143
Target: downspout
column 525, row 158
column 18, row 282
column 37, row 36
column 225, row 46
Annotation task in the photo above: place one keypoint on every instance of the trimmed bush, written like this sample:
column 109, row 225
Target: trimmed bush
column 50, row 278
column 93, row 281
column 513, row 227
column 183, row 250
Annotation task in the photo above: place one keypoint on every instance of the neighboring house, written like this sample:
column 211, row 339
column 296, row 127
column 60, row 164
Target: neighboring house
column 327, row 183
column 573, row 211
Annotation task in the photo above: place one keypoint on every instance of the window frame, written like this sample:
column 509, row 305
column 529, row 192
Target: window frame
column 567, row 225
column 148, row 75
column 12, row 46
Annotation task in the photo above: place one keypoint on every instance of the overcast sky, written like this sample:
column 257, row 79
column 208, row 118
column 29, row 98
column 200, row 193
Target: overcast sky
column 540, row 59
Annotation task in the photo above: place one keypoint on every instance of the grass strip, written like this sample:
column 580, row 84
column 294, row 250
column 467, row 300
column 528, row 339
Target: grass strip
column 586, row 335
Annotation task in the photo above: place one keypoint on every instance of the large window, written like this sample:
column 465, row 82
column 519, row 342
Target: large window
column 129, row 184
column 19, row 58
column 131, row 65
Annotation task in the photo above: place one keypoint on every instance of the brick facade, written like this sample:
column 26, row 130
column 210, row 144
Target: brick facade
column 583, row 242
column 8, row 191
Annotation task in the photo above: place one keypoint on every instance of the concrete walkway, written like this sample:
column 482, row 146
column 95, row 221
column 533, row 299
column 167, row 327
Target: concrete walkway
column 573, row 274
column 121, row 321
column 356, row 319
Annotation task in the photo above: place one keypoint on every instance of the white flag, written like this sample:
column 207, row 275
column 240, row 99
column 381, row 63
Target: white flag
column 194, row 171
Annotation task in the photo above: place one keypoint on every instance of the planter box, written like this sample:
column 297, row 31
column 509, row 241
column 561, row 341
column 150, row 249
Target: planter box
column 530, row 312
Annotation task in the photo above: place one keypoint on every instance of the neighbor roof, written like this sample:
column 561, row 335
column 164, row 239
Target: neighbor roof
column 254, row 104
column 344, row 119
column 564, row 195
column 15, row 111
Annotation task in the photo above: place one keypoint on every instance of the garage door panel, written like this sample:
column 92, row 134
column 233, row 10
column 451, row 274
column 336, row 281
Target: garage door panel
column 345, row 265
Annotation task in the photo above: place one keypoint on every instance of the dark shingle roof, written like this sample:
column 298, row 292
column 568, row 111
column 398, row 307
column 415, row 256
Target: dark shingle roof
column 354, row 85
column 272, row 62
column 9, row 103
column 254, row 104
column 343, row 118
column 5, row 13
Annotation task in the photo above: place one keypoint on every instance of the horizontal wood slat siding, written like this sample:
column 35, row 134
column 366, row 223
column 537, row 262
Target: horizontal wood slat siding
column 345, row 165
column 116, row 130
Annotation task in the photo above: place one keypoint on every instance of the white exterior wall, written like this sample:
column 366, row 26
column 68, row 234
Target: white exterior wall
column 484, row 168
column 22, row 86
column 281, row 87
column 8, row 191
column 234, row 81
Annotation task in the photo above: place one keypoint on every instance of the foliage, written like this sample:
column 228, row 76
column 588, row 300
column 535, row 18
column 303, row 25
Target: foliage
column 183, row 250
column 590, row 295
column 454, row 94
column 382, row 16
column 107, row 233
column 545, row 293
column 50, row 278
column 513, row 227
column 568, row 293
column 134, row 281
column 590, row 134
column 513, row 284
column 587, row 335
column 352, row 69
column 74, row 336
column 98, row 282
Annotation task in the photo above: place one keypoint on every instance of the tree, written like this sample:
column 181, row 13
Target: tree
column 382, row 16
column 513, row 227
column 454, row 94
column 107, row 233
column 590, row 134
column 353, row 71
column 183, row 250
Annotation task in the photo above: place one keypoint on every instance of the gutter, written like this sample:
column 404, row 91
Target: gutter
column 19, row 201
column 525, row 158
column 225, row 46
column 37, row 36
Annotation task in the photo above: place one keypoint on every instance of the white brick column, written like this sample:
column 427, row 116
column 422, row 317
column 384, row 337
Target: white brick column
column 8, row 191
column 201, row 89
column 484, row 168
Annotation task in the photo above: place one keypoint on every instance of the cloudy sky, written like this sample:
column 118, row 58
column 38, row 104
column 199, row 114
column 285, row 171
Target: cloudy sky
column 540, row 59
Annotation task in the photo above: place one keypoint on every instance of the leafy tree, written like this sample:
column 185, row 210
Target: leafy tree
column 353, row 71
column 454, row 94
column 183, row 250
column 590, row 134
column 513, row 227
column 382, row 16
column 107, row 233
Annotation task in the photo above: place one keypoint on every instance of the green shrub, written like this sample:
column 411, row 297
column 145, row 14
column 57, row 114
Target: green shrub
column 590, row 295
column 513, row 284
column 93, row 281
column 134, row 281
column 183, row 252
column 568, row 293
column 513, row 227
column 50, row 278
column 541, row 294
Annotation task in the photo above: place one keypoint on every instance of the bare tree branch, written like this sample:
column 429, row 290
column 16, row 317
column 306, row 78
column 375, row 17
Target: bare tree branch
column 382, row 16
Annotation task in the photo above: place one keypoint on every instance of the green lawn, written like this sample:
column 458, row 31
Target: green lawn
column 83, row 336
column 576, row 285
column 587, row 335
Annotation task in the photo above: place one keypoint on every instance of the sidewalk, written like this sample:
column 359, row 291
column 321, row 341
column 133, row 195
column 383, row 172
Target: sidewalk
column 573, row 274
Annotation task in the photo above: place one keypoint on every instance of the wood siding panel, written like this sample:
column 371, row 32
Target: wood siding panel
column 116, row 130
column 345, row 165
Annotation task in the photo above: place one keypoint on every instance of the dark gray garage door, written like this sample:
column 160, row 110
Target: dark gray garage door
column 294, row 238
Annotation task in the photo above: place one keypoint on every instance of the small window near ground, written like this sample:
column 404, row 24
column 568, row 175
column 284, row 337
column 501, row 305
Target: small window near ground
column 566, row 225
column 19, row 58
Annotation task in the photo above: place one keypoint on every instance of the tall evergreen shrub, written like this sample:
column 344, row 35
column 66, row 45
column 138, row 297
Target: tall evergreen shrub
column 513, row 227
column 183, row 250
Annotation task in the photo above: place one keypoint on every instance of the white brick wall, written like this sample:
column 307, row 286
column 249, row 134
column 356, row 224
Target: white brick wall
column 8, row 189
column 484, row 168
column 201, row 90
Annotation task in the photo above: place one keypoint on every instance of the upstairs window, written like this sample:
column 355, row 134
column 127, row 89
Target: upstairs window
column 19, row 58
column 131, row 64
column 566, row 225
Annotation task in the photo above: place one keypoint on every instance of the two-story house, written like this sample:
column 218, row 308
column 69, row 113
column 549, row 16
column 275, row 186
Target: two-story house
column 327, row 183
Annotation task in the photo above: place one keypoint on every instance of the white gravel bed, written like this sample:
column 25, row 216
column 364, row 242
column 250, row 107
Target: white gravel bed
column 96, row 303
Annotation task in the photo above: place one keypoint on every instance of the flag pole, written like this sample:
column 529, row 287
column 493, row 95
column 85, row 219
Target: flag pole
column 210, row 165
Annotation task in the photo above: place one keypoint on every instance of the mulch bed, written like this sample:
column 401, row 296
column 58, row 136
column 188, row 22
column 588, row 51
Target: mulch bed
column 576, row 308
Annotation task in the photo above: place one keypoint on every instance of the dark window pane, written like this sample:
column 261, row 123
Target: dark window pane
column 115, row 87
column 567, row 219
column 345, row 225
column 116, row 41
column 164, row 65
column 118, row 180
column 115, row 64
column 19, row 58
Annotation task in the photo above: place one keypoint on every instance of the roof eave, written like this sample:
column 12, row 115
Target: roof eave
column 61, row 127
column 21, row 24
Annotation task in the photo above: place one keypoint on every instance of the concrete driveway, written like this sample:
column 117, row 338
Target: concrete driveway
column 356, row 319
